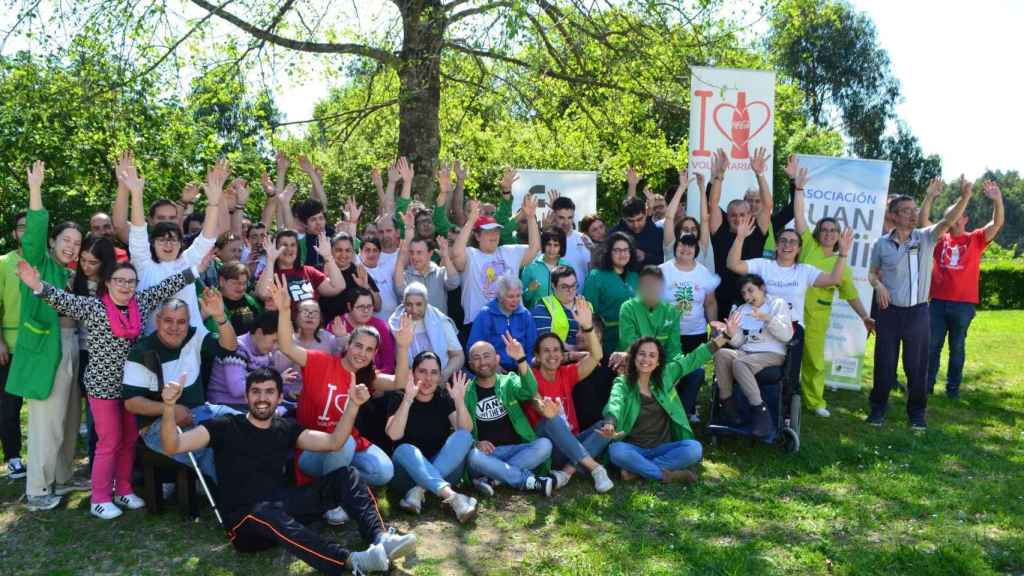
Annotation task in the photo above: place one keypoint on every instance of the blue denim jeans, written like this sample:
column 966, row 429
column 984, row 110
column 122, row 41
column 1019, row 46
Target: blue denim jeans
column 649, row 462
column 953, row 318
column 411, row 467
column 569, row 449
column 375, row 468
column 511, row 464
column 204, row 457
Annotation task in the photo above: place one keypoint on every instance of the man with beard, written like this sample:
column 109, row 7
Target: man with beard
column 260, row 510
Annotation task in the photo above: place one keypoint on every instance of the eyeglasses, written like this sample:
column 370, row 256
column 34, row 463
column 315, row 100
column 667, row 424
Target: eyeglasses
column 309, row 313
column 124, row 281
column 167, row 240
column 363, row 307
column 620, row 250
column 567, row 287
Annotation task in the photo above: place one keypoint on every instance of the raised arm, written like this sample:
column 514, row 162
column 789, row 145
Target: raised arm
column 388, row 204
column 400, row 263
column 335, row 283
column 924, row 215
column 284, row 199
column 407, row 172
column 36, row 174
column 719, row 164
column 705, row 215
column 735, row 260
column 799, row 200
column 533, row 230
column 836, row 276
column 395, row 428
column 270, row 205
column 457, row 392
column 459, row 255
column 266, row 279
column 759, row 163
column 958, row 209
column 991, row 190
column 585, row 319
column 316, row 177
column 212, row 304
column 403, row 340
column 65, row 303
column 458, row 198
column 285, row 343
column 632, row 179
column 119, row 212
column 669, row 226
column 170, row 440
column 215, row 179
column 280, row 182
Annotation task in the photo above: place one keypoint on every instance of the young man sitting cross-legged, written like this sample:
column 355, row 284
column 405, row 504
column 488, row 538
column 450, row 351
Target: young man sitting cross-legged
column 260, row 510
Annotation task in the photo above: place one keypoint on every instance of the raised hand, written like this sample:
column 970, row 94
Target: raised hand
column 362, row 277
column 719, row 164
column 206, row 261
column 270, row 249
column 393, row 173
column 405, row 169
column 991, row 189
column 287, row 194
column 746, row 227
column 457, row 388
column 289, row 375
column 701, row 182
column 215, row 178
column 801, row 178
column 508, row 178
column 966, row 187
column 353, row 211
column 846, row 241
column 473, row 212
column 189, row 193
column 36, row 174
column 460, row 172
column 405, row 332
column 935, row 186
column 410, row 388
column 212, row 303
column 409, row 220
column 306, row 166
column 552, row 196
column 323, row 247
column 759, row 161
column 617, row 361
column 529, row 207
column 172, row 390
column 339, row 329
column 632, row 177
column 128, row 175
column 377, row 179
column 282, row 163
column 241, row 189
column 684, row 180
column 358, row 394
column 792, row 165
column 29, row 276
column 442, row 246
column 279, row 293
column 582, row 313
column 267, row 184
column 512, row 346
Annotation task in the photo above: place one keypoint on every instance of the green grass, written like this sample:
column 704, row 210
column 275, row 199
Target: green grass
column 855, row 500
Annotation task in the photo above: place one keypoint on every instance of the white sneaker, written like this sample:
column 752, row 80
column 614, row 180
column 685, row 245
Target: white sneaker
column 463, row 506
column 105, row 511
column 397, row 545
column 336, row 516
column 561, row 479
column 373, row 559
column 602, row 483
column 131, row 501
column 42, row 502
column 823, row 412
column 413, row 500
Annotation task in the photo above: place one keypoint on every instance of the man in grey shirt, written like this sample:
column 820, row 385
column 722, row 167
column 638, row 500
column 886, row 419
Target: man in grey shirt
column 900, row 272
column 414, row 265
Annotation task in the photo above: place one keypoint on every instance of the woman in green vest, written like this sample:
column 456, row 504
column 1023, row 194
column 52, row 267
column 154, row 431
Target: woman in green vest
column 820, row 249
column 45, row 368
column 611, row 284
column 644, row 413
column 536, row 277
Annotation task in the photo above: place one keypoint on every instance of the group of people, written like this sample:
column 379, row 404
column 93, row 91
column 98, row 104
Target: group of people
column 440, row 348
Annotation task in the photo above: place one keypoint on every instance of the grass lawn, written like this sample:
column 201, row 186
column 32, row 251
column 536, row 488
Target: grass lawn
column 854, row 500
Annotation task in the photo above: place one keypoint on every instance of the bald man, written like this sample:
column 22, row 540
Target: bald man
column 101, row 225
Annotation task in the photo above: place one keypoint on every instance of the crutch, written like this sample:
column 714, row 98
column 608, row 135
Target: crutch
column 202, row 481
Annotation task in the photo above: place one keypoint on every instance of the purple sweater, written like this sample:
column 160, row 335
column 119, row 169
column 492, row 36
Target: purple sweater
column 227, row 378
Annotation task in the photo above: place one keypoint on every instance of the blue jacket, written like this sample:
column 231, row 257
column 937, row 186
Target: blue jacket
column 491, row 323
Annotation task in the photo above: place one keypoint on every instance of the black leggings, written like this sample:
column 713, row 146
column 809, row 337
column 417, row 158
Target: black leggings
column 283, row 521
column 10, row 416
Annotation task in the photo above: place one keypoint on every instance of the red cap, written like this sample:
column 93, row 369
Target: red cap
column 486, row 223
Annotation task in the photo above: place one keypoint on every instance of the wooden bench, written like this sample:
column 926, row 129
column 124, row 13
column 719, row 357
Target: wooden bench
column 156, row 467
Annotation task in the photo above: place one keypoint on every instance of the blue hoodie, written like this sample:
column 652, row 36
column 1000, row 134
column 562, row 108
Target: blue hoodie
column 492, row 322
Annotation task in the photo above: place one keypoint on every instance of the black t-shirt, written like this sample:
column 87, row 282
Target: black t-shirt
column 372, row 422
column 428, row 426
column 492, row 422
column 334, row 306
column 312, row 256
column 242, row 313
column 250, row 461
column 728, row 293
column 590, row 395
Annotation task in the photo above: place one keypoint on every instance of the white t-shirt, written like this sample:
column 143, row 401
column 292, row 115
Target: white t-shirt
column 384, row 276
column 789, row 283
column 578, row 256
column 152, row 272
column 479, row 280
column 686, row 290
column 756, row 338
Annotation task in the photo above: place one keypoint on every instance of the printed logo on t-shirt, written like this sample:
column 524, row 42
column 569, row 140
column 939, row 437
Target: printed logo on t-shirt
column 300, row 289
column 952, row 257
column 490, row 409
column 683, row 295
column 490, row 274
column 337, row 400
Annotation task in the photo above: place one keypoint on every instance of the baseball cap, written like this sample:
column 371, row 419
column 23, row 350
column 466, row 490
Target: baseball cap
column 486, row 223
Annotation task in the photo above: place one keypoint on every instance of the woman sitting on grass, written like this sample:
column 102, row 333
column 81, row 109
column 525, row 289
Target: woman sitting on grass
column 647, row 419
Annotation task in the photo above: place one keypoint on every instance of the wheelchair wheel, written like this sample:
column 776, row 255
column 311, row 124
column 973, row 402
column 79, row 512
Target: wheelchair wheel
column 790, row 440
column 794, row 413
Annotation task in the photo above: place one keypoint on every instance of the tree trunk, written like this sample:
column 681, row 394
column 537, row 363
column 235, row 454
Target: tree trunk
column 419, row 128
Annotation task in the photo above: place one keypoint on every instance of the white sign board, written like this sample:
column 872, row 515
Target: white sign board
column 581, row 187
column 733, row 110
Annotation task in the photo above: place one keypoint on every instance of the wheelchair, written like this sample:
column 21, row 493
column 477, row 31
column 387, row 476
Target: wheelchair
column 780, row 391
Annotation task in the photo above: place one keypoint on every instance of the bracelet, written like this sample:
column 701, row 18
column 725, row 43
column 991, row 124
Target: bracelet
column 520, row 360
column 843, row 255
column 587, row 330
column 798, row 189
column 221, row 323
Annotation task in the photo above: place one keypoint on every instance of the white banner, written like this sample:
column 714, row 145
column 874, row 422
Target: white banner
column 580, row 186
column 733, row 110
column 853, row 192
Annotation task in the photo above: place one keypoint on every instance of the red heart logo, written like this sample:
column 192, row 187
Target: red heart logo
column 728, row 133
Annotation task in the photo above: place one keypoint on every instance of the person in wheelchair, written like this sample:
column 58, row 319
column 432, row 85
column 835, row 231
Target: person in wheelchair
column 758, row 332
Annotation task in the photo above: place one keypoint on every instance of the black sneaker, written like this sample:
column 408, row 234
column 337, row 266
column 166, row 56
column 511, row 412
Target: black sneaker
column 543, row 484
column 728, row 414
column 876, row 418
column 16, row 469
column 762, row 421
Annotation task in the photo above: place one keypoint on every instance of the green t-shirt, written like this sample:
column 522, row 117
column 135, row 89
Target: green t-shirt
column 606, row 291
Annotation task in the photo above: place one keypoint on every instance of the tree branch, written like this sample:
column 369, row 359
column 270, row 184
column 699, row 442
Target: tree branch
column 377, row 54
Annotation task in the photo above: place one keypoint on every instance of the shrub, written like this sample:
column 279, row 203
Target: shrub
column 1002, row 284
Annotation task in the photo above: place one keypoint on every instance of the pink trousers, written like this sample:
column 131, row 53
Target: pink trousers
column 115, row 450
